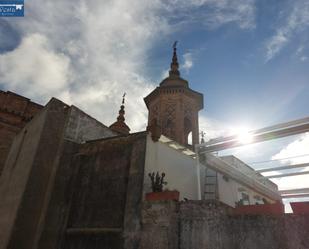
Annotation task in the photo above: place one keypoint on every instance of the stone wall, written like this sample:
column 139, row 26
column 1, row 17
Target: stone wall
column 106, row 205
column 81, row 127
column 25, row 179
column 38, row 178
column 211, row 225
column 15, row 112
column 160, row 225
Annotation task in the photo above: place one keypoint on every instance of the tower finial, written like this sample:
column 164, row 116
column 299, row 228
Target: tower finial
column 120, row 126
column 174, row 65
column 123, row 98
column 175, row 45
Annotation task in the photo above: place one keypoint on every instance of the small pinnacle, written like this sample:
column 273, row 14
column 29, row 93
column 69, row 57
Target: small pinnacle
column 174, row 65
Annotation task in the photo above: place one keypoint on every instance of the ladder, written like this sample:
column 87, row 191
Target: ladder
column 211, row 185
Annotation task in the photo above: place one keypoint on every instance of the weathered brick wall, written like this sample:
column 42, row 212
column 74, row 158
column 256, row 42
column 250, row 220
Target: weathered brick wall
column 210, row 225
column 15, row 112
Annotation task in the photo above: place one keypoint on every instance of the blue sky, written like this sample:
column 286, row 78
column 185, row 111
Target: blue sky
column 237, row 73
column 249, row 58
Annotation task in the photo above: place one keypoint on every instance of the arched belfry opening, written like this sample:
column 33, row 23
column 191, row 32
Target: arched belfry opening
column 187, row 129
column 190, row 139
column 175, row 106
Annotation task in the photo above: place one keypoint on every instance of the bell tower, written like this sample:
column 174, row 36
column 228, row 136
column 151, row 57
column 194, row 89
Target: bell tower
column 174, row 106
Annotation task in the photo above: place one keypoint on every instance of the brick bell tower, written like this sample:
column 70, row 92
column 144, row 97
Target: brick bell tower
column 174, row 106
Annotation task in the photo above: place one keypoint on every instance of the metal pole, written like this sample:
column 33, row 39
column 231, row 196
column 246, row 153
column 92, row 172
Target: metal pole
column 198, row 175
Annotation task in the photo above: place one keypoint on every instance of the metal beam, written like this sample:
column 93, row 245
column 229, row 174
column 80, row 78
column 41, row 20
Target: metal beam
column 288, row 174
column 259, row 131
column 257, row 138
column 294, row 191
column 284, row 167
column 294, row 196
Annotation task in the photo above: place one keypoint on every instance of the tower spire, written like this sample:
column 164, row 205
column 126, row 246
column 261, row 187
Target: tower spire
column 173, row 108
column 174, row 65
column 120, row 126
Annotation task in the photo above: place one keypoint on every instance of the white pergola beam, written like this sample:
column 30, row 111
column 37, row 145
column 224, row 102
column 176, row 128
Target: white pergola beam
column 263, row 130
column 261, row 135
column 302, row 165
column 288, row 174
column 294, row 191
column 294, row 196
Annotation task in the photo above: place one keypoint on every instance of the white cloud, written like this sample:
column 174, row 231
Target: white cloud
column 88, row 53
column 303, row 58
column 275, row 44
column 34, row 68
column 165, row 73
column 214, row 13
column 295, row 151
column 213, row 128
column 188, row 62
column 297, row 21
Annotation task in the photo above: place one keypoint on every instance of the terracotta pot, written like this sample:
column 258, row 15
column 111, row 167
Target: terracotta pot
column 163, row 196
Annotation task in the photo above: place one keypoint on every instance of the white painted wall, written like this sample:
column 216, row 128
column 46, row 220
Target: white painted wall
column 230, row 191
column 181, row 175
column 180, row 169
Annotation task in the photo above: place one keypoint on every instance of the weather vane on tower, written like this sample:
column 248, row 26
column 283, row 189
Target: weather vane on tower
column 175, row 45
column 123, row 98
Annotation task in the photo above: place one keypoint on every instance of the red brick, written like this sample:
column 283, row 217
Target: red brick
column 15, row 112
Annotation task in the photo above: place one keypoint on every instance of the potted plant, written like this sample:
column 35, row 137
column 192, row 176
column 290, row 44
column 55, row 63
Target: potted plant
column 157, row 194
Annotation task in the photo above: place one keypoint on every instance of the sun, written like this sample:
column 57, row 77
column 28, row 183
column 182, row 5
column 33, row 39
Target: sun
column 243, row 135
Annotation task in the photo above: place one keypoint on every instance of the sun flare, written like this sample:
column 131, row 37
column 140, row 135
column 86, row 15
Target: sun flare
column 243, row 135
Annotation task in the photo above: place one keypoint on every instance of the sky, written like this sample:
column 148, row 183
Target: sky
column 249, row 58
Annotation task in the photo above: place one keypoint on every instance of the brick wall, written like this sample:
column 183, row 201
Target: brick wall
column 15, row 112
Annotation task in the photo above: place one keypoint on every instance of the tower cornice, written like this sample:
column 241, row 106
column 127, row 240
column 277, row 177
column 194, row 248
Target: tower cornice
column 166, row 90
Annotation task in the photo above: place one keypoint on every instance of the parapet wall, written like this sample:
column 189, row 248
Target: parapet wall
column 211, row 225
column 15, row 112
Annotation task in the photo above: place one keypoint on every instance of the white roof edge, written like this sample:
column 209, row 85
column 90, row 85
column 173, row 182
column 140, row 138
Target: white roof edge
column 223, row 167
column 176, row 146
